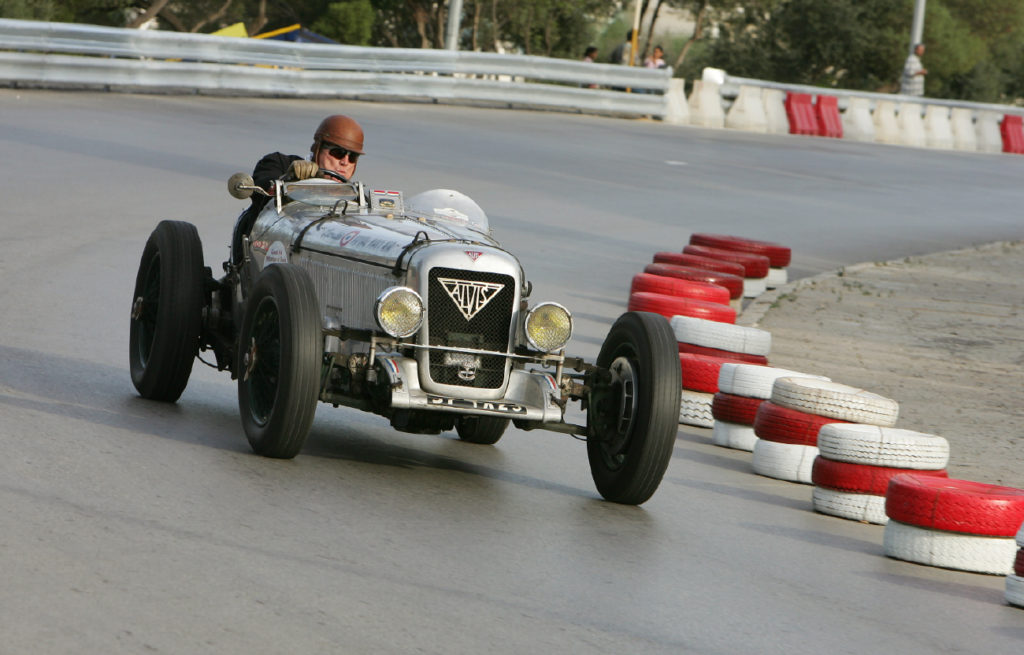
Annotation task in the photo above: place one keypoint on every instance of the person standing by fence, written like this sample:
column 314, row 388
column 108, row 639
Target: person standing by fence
column 912, row 83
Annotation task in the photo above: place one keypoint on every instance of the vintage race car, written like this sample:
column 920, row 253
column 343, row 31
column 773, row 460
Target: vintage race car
column 354, row 295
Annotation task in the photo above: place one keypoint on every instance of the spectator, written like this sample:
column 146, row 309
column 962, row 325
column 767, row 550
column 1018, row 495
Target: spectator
column 912, row 83
column 622, row 54
column 656, row 59
column 590, row 56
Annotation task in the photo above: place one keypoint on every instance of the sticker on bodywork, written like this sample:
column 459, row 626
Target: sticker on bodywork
column 276, row 254
column 478, row 405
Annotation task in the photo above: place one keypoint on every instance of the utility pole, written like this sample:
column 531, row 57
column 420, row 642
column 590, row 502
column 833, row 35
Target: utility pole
column 917, row 27
column 454, row 21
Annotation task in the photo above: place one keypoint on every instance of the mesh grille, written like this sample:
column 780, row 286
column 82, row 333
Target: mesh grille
column 488, row 329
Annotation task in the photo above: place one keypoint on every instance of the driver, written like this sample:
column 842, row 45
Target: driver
column 337, row 146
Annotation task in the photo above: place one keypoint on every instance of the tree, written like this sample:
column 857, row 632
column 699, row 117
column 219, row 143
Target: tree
column 349, row 21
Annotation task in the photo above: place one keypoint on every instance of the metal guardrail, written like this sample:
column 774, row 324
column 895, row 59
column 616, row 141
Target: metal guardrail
column 64, row 54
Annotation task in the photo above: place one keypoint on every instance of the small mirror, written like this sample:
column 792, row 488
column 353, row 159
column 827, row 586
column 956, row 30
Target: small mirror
column 240, row 185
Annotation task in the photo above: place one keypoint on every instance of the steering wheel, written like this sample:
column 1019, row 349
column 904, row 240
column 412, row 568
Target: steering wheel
column 334, row 174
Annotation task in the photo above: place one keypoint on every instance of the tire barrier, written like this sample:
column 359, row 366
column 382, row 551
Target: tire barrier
column 956, row 524
column 826, row 113
column 1012, row 131
column 674, row 286
column 754, row 381
column 700, row 372
column 787, row 441
column 730, row 338
column 835, row 400
column 699, row 261
column 695, row 408
column 854, row 491
column 759, row 360
column 732, row 283
column 669, row 306
column 1015, row 580
column 800, row 113
column 779, row 256
column 755, row 266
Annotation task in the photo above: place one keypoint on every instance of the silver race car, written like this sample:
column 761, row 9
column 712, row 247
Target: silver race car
column 406, row 307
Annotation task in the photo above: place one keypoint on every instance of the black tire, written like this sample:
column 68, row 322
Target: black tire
column 167, row 311
column 631, row 434
column 280, row 349
column 484, row 430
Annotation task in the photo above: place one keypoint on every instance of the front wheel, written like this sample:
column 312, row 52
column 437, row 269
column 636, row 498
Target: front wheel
column 633, row 410
column 484, row 430
column 279, row 353
column 167, row 311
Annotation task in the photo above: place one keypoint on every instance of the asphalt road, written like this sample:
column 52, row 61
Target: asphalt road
column 131, row 526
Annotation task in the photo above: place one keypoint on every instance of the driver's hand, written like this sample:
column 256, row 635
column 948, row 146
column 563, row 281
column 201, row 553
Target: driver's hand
column 302, row 170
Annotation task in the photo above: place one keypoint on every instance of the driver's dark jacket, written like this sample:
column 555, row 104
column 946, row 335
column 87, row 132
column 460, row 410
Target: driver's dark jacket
column 268, row 169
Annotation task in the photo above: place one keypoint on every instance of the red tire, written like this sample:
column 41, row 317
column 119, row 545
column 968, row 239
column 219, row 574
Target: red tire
column 1018, row 564
column 731, row 408
column 755, row 266
column 859, row 478
column 674, row 286
column 700, row 261
column 962, row 506
column 778, row 255
column 760, row 360
column 700, row 372
column 669, row 306
column 784, row 425
column 734, row 283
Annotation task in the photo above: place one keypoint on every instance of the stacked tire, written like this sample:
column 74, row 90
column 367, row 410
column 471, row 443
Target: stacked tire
column 700, row 265
column 779, row 256
column 755, row 267
column 953, row 524
column 732, row 283
column 787, row 426
column 742, row 389
column 855, row 463
column 700, row 384
column 1015, row 580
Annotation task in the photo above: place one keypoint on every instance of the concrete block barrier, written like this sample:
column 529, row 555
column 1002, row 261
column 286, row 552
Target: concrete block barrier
column 1012, row 131
column 962, row 124
column 775, row 111
column 911, row 125
column 887, row 130
column 747, row 112
column 677, row 111
column 938, row 130
column 706, row 105
column 986, row 129
column 826, row 113
column 857, row 122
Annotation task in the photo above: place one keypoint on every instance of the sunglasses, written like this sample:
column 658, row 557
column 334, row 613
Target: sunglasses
column 340, row 153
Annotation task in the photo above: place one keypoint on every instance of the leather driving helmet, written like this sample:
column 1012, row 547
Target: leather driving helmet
column 339, row 130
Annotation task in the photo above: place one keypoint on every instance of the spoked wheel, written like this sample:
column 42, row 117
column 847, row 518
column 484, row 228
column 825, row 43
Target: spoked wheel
column 633, row 412
column 481, row 429
column 280, row 352
column 167, row 311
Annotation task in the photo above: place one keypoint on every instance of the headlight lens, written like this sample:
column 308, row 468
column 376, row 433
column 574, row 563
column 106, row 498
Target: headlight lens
column 548, row 326
column 399, row 312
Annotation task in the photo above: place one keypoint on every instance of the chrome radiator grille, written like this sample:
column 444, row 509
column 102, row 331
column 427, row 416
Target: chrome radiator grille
column 469, row 309
column 345, row 294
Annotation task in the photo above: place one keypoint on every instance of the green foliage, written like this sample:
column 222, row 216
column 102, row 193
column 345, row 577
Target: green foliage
column 349, row 21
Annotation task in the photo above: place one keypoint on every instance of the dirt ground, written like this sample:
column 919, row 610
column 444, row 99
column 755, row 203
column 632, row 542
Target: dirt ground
column 941, row 334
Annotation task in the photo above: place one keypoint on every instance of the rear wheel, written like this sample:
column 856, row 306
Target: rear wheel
column 280, row 352
column 481, row 429
column 633, row 413
column 167, row 311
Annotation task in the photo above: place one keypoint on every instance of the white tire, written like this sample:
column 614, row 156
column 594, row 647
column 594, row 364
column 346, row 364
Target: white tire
column 784, row 461
column 754, row 286
column 776, row 277
column 857, row 443
column 733, row 435
column 754, row 381
column 1015, row 590
column 695, row 409
column 723, row 336
column 835, row 400
column 856, row 507
column 950, row 550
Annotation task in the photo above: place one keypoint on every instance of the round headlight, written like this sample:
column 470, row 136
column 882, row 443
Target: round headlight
column 548, row 326
column 399, row 311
